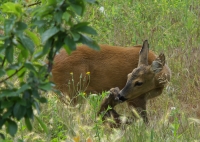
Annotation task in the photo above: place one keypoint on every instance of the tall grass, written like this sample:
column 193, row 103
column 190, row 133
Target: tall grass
column 172, row 27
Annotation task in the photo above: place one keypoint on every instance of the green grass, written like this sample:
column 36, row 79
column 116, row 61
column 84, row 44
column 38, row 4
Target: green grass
column 172, row 27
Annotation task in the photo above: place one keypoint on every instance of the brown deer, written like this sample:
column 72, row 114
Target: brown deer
column 109, row 68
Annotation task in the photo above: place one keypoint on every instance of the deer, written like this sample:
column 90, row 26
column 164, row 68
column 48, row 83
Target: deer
column 136, row 71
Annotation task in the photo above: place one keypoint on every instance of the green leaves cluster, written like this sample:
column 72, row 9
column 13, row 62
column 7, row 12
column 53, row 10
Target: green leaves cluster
column 29, row 35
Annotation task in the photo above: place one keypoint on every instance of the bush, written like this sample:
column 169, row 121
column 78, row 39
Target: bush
column 28, row 34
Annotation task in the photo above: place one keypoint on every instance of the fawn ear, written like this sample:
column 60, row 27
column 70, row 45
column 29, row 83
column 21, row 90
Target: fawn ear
column 143, row 56
column 158, row 63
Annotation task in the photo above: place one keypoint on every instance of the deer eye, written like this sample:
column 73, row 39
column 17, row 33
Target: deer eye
column 137, row 83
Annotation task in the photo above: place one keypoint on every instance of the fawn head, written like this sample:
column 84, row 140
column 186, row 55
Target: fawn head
column 143, row 78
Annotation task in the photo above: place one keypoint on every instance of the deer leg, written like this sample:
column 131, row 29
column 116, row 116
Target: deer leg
column 139, row 104
column 110, row 101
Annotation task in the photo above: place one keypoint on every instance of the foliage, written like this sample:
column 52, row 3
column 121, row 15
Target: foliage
column 29, row 34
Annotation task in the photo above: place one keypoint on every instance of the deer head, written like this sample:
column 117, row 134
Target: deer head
column 143, row 78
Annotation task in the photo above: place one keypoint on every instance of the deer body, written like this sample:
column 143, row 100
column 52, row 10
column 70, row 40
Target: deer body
column 108, row 68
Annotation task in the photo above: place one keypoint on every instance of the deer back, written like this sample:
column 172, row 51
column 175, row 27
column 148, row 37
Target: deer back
column 102, row 70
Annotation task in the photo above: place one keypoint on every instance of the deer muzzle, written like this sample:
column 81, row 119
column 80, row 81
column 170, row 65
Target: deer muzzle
column 121, row 97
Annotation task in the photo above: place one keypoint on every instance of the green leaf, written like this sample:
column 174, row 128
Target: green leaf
column 27, row 43
column 81, row 24
column 6, row 104
column 42, row 124
column 59, row 43
column 91, row 1
column 38, row 55
column 77, row 9
column 36, row 93
column 24, row 52
column 88, row 41
column 58, row 17
column 39, row 23
column 2, row 122
column 34, row 37
column 87, row 29
column 29, row 66
column 47, row 47
column 21, row 73
column 8, row 25
column 28, row 123
column 49, row 33
column 43, row 100
column 67, row 49
column 76, row 35
column 12, row 8
column 2, row 136
column 70, row 43
column 66, row 16
column 29, row 112
column 43, row 11
column 11, row 127
column 20, row 26
column 2, row 72
column 9, row 54
column 37, row 107
column 7, row 43
column 8, row 93
column 22, row 102
column 20, row 58
column 19, row 111
column 46, row 86
column 2, row 38
column 9, row 72
column 14, row 66
column 7, row 113
column 23, row 88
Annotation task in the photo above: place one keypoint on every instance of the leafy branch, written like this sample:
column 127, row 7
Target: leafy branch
column 2, row 81
column 50, row 27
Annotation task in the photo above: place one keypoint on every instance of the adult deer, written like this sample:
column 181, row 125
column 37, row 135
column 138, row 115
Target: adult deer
column 109, row 68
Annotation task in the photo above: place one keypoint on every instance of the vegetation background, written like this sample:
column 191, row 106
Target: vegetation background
column 172, row 27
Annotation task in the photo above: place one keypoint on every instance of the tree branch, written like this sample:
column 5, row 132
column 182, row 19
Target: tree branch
column 34, row 4
column 50, row 60
column 11, row 75
column 3, row 61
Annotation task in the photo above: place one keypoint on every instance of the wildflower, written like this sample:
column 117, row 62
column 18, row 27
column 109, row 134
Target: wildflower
column 84, row 93
column 51, row 121
column 88, row 73
column 173, row 108
column 88, row 140
column 76, row 139
column 101, row 9
column 71, row 73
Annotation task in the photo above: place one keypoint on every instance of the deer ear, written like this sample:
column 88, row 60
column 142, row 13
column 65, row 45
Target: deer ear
column 161, row 58
column 158, row 63
column 143, row 57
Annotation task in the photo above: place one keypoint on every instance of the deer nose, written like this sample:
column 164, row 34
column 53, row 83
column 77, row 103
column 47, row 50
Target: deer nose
column 121, row 98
